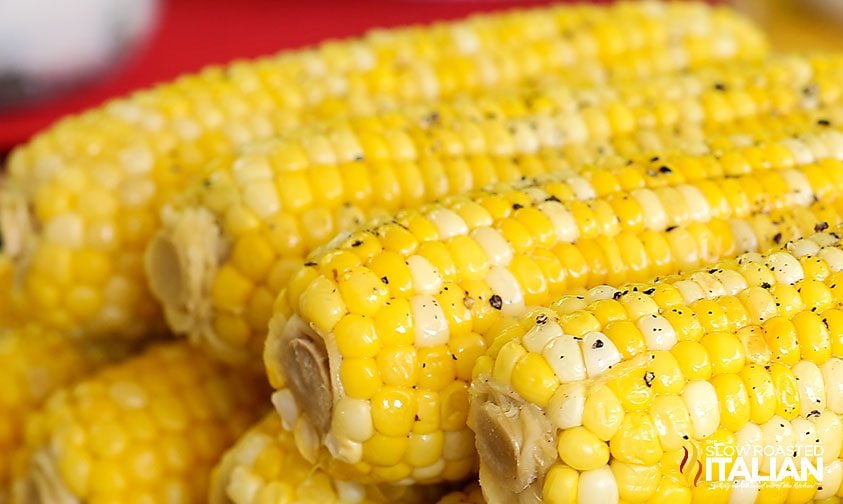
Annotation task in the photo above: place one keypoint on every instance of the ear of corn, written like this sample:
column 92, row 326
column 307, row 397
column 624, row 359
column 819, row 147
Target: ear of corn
column 622, row 398
column 373, row 342
column 266, row 467
column 145, row 430
column 35, row 362
column 89, row 190
column 230, row 246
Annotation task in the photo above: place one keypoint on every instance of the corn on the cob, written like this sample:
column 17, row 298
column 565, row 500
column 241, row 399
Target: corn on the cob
column 35, row 362
column 89, row 190
column 617, row 399
column 265, row 467
column 222, row 256
column 471, row 494
column 373, row 341
column 149, row 429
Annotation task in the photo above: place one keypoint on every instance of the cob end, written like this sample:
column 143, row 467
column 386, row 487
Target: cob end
column 166, row 271
column 181, row 262
column 515, row 441
column 302, row 356
column 43, row 484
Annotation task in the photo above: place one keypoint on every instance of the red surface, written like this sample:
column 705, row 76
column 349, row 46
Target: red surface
column 194, row 33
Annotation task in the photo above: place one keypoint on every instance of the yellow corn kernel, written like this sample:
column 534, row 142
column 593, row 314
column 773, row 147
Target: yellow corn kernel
column 753, row 340
column 394, row 323
column 787, row 391
column 693, row 359
column 385, row 451
column 626, row 337
column 507, row 358
column 636, row 441
column 710, row 315
column 672, row 421
column 633, row 389
column 560, row 485
column 231, row 289
column 602, row 412
column 393, row 411
column 398, row 365
column 607, row 311
column 321, row 301
column 726, row 353
column 582, row 450
column 361, row 377
column 685, row 323
column 667, row 374
column 534, row 379
column 437, row 369
column 815, row 294
column 636, row 483
column 734, row 401
column 761, row 392
column 781, row 338
column 812, row 336
column 362, row 291
column 356, row 336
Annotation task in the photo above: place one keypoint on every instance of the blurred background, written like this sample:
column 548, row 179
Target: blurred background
column 59, row 57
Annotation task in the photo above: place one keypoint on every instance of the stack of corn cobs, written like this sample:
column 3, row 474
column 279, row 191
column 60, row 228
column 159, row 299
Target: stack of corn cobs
column 589, row 253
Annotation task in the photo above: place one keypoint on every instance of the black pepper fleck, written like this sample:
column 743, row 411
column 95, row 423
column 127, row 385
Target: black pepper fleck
column 496, row 302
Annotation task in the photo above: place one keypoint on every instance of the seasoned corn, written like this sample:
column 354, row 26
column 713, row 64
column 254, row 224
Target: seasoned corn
column 89, row 190
column 146, row 430
column 264, row 467
column 374, row 340
column 36, row 362
column 628, row 408
column 219, row 261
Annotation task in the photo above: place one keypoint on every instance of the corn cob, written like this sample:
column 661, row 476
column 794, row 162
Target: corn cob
column 262, row 211
column 35, row 362
column 89, row 190
column 616, row 400
column 146, row 430
column 372, row 343
column 265, row 467
column 471, row 494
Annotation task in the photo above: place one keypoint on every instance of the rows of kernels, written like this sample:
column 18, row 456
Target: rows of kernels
column 264, row 466
column 131, row 430
column 263, row 251
column 37, row 362
column 96, row 182
column 732, row 380
column 422, row 321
